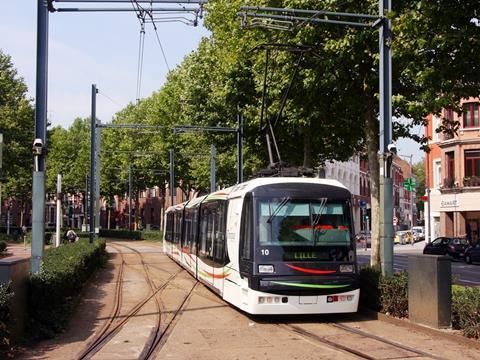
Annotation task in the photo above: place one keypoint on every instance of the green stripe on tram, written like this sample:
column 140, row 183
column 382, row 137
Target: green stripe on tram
column 314, row 286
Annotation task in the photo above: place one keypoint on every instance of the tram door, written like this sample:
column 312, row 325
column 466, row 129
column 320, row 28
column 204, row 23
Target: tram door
column 219, row 245
column 212, row 243
column 205, row 266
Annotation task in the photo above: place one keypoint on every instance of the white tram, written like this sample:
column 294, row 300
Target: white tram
column 270, row 245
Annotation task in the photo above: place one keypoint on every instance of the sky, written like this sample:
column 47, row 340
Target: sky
column 102, row 49
column 92, row 48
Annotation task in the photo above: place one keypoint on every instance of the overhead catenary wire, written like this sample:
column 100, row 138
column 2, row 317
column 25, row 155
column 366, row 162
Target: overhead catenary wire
column 141, row 50
column 109, row 98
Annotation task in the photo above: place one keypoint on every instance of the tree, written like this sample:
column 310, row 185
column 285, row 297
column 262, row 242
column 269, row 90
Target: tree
column 419, row 171
column 16, row 124
column 69, row 155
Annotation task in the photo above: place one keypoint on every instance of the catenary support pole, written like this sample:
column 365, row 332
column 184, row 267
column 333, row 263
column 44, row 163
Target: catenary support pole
column 59, row 210
column 85, row 204
column 129, row 197
column 93, row 123
column 38, row 186
column 172, row 176
column 240, row 149
column 1, row 170
column 97, row 178
column 386, row 184
column 213, row 181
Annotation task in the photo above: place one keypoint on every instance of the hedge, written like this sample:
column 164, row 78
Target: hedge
column 466, row 310
column 53, row 293
column 120, row 234
column 5, row 296
column 389, row 295
column 385, row 294
column 153, row 235
column 3, row 246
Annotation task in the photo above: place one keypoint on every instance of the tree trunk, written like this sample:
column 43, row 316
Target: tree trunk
column 307, row 148
column 137, row 209
column 371, row 133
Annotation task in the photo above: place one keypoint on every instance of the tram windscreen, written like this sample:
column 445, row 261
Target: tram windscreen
column 319, row 223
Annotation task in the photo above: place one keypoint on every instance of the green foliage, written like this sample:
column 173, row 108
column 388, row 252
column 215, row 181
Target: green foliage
column 382, row 293
column 419, row 171
column 6, row 294
column 3, row 246
column 369, row 278
column 69, row 155
column 394, row 294
column 466, row 310
column 152, row 235
column 120, row 234
column 53, row 293
column 16, row 119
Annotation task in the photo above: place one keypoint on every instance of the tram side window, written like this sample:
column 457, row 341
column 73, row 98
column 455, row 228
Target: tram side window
column 246, row 234
column 205, row 231
column 169, row 227
column 188, row 228
column 220, row 233
column 178, row 227
column 194, row 231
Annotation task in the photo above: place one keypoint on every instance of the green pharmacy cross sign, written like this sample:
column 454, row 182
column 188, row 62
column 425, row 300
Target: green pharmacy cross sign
column 409, row 184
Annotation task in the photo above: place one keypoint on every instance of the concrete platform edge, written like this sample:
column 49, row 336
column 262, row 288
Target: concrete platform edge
column 444, row 334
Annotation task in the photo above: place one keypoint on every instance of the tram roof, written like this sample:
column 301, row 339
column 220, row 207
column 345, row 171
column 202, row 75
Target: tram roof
column 254, row 183
column 240, row 189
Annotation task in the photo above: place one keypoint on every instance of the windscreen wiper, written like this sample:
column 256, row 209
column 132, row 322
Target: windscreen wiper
column 284, row 202
column 316, row 220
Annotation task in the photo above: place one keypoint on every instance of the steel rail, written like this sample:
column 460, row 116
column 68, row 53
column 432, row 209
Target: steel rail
column 101, row 341
column 383, row 340
column 115, row 312
column 335, row 345
column 161, row 339
column 158, row 335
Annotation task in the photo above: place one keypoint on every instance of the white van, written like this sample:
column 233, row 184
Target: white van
column 418, row 233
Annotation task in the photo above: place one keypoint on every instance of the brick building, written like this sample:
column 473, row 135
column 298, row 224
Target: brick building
column 453, row 173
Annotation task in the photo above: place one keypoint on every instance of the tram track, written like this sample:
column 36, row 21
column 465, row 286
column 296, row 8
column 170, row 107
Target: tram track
column 112, row 327
column 158, row 335
column 326, row 340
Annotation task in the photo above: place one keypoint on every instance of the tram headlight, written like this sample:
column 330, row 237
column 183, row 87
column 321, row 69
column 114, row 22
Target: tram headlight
column 266, row 269
column 346, row 268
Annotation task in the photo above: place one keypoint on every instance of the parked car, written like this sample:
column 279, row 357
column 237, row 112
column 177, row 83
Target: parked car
column 364, row 236
column 451, row 246
column 472, row 254
column 418, row 233
column 403, row 237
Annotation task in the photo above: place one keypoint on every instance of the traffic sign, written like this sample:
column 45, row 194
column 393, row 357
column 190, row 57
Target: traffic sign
column 409, row 184
column 363, row 204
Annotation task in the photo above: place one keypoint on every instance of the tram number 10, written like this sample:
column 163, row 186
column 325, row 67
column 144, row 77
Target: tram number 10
column 265, row 252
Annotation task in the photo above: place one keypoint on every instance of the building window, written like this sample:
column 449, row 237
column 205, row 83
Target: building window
column 448, row 114
column 450, row 160
column 470, row 115
column 472, row 163
column 436, row 124
column 437, row 173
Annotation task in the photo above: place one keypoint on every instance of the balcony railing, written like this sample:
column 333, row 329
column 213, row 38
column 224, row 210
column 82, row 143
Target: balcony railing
column 447, row 136
column 449, row 183
column 469, row 181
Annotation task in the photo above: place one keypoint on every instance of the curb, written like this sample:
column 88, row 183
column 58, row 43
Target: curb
column 447, row 334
